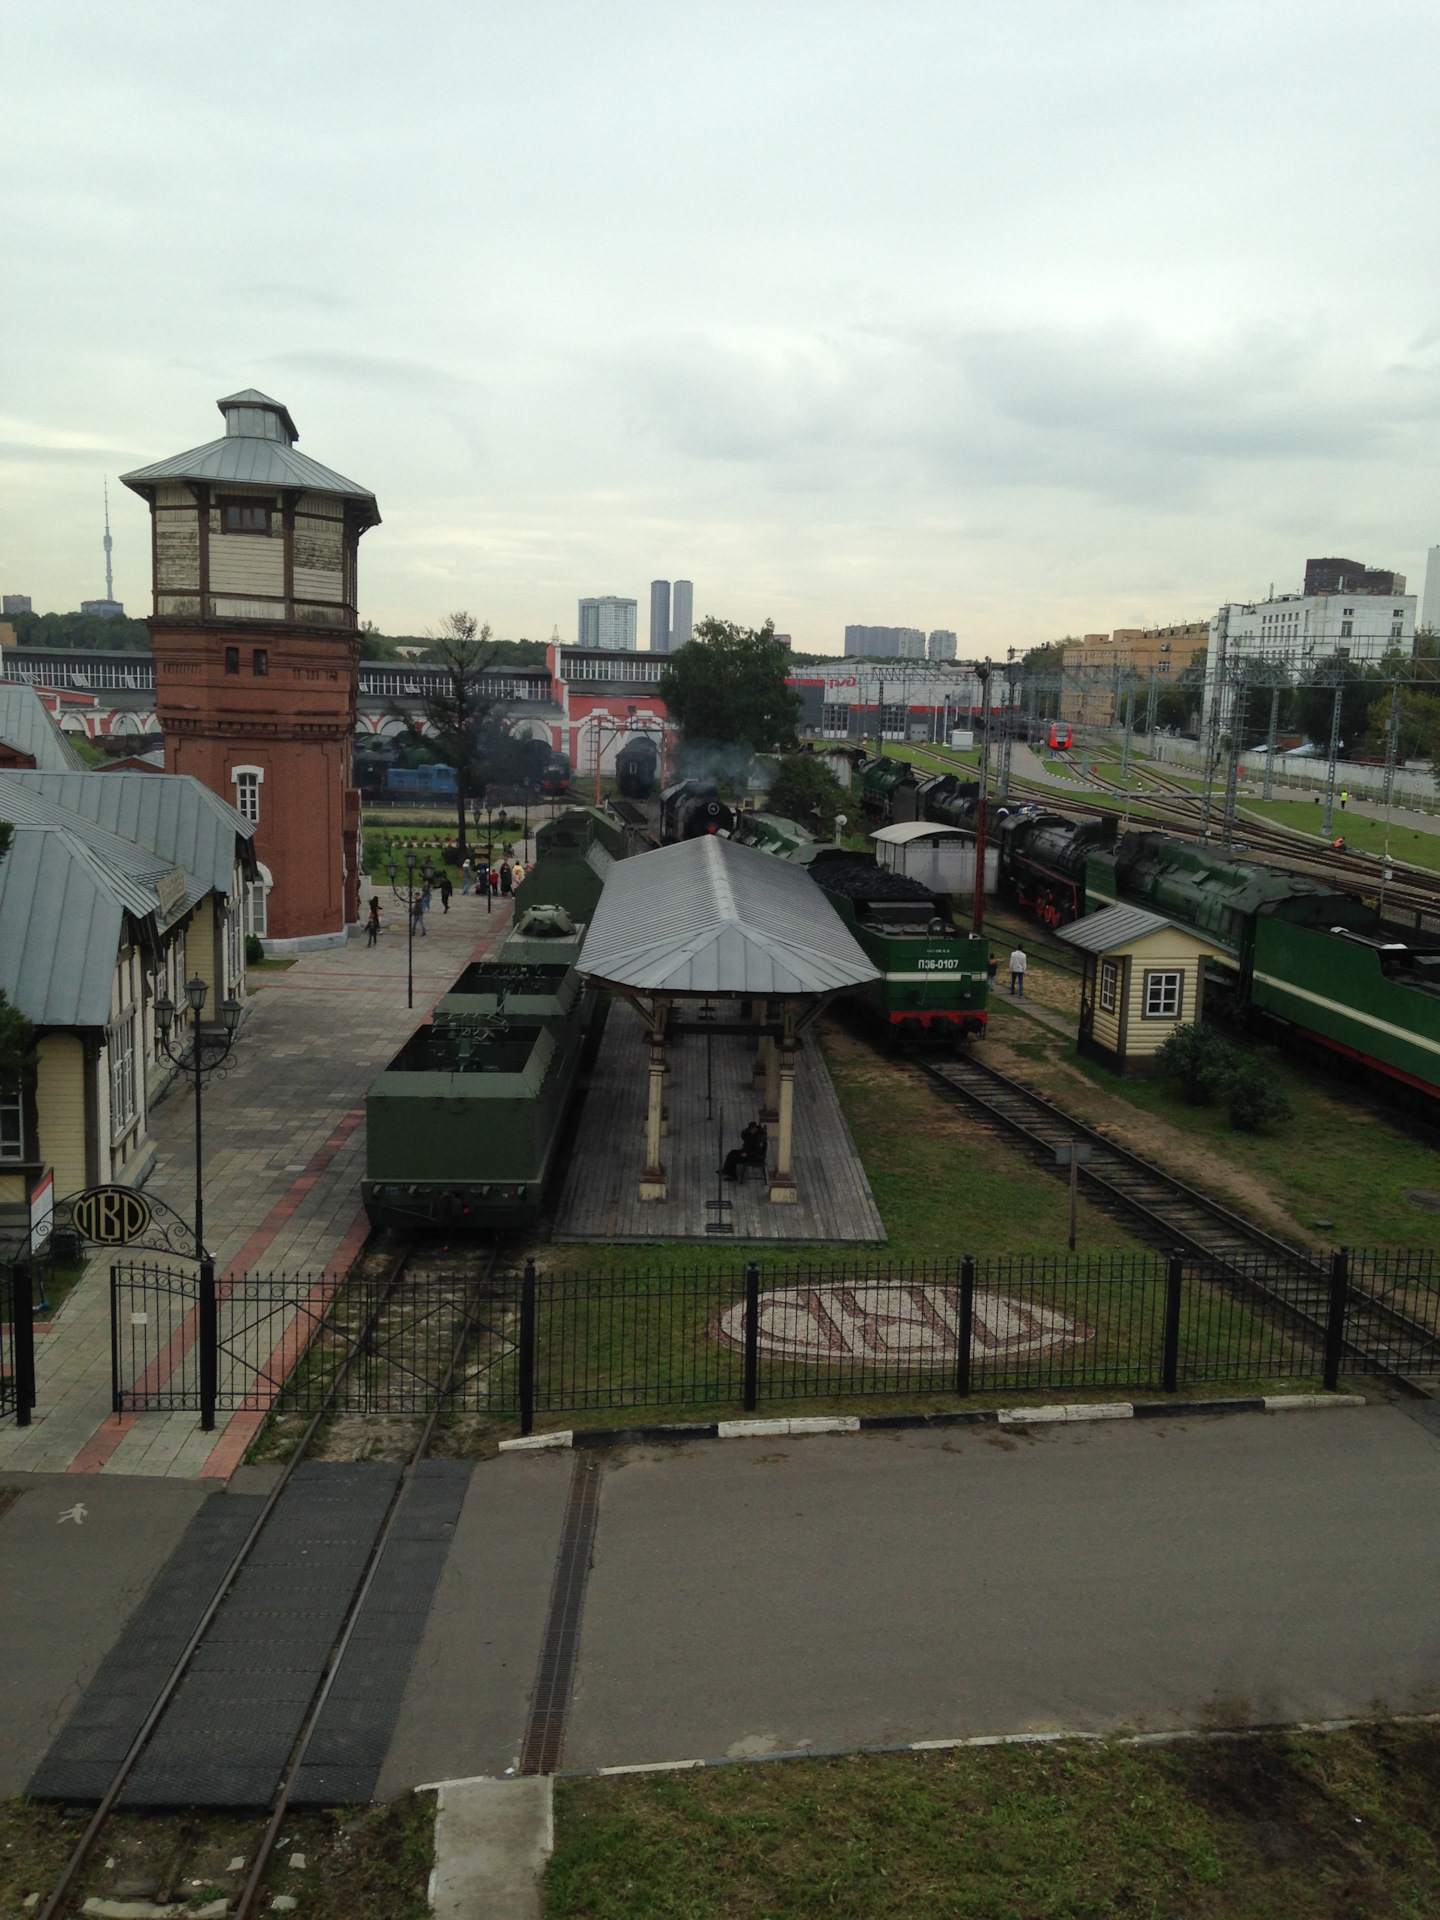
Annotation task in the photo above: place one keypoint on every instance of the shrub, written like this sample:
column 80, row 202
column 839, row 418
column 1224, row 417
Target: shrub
column 1199, row 1059
column 254, row 950
column 1252, row 1100
column 805, row 789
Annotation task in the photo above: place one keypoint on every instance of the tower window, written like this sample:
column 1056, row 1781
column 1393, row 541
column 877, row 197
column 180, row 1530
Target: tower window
column 247, row 796
column 232, row 659
column 244, row 517
column 262, row 662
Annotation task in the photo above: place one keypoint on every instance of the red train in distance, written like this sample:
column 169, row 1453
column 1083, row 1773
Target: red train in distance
column 1059, row 734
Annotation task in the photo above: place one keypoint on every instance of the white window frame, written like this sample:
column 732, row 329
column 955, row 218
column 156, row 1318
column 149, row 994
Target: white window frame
column 1164, row 997
column 1109, row 996
column 124, row 1088
column 12, row 1126
column 247, row 782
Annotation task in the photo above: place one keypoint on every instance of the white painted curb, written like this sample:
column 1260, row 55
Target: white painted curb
column 1309, row 1402
column 533, row 1442
column 1030, row 1416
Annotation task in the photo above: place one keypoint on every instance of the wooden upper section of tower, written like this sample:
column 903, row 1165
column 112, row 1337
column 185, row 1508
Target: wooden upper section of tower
column 247, row 528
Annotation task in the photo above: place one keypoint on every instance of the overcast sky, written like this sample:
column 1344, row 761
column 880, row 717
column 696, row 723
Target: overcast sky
column 1016, row 319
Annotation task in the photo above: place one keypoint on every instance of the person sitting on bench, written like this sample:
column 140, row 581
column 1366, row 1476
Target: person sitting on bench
column 751, row 1152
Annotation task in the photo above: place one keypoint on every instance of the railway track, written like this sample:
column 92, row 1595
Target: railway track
column 1292, row 1281
column 266, row 1532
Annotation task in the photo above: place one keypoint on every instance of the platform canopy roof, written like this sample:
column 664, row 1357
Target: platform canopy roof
column 709, row 917
column 904, row 831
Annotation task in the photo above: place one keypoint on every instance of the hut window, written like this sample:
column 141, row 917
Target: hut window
column 1163, row 995
column 12, row 1130
column 245, row 517
column 121, row 1038
column 1109, row 985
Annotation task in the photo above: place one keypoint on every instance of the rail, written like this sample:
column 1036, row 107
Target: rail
column 67, row 1886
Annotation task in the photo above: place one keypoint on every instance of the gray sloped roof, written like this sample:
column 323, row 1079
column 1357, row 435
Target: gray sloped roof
column 1116, row 927
column 135, row 870
column 250, row 461
column 62, row 912
column 180, row 821
column 26, row 726
column 709, row 916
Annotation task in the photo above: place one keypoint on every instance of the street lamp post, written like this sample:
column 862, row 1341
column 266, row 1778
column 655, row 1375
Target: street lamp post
column 429, row 873
column 219, row 1045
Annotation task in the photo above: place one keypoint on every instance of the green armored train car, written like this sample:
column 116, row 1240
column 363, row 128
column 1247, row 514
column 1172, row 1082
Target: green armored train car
column 1304, row 961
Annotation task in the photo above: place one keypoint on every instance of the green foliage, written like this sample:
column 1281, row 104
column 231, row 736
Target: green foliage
column 1198, row 1059
column 804, row 788
column 375, row 645
column 80, row 632
column 254, row 950
column 727, row 688
column 1208, row 1069
column 17, row 1042
column 1252, row 1100
column 1311, row 706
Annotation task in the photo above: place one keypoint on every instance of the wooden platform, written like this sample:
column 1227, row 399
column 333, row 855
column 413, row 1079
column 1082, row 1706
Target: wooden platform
column 600, row 1193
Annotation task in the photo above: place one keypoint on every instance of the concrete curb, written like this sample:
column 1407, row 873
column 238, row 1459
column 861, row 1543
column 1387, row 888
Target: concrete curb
column 873, row 1422
column 1171, row 1738
column 492, row 1840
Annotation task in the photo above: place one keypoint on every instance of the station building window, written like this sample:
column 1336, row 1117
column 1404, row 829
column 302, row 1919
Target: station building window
column 1164, row 993
column 12, row 1127
column 1109, row 985
column 232, row 659
column 244, row 516
column 261, row 662
column 247, row 782
column 121, row 1041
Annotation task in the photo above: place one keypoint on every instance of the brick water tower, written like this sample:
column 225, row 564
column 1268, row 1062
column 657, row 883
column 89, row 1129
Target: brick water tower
column 257, row 648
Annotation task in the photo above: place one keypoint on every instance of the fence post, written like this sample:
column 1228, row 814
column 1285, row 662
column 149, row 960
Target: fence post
column 115, row 1339
column 752, row 1336
column 22, row 1336
column 1335, row 1319
column 209, row 1346
column 1174, row 1281
column 527, row 1349
column 965, row 1332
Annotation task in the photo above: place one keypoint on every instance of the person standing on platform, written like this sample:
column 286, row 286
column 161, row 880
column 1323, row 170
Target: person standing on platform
column 446, row 889
column 417, row 913
column 466, row 876
column 505, row 878
column 1017, row 972
column 372, row 924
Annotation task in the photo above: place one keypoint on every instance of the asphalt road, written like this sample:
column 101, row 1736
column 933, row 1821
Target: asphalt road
column 77, row 1554
column 752, row 1596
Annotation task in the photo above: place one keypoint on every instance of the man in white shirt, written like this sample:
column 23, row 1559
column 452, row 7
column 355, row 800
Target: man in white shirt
column 1017, row 972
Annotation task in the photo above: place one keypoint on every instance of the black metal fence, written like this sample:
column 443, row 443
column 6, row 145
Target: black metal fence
column 17, row 1340
column 745, row 1337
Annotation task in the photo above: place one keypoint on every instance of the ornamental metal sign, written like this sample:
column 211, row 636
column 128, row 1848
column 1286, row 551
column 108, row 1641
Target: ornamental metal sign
column 116, row 1216
column 111, row 1216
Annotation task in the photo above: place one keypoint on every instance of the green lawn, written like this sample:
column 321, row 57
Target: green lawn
column 1281, row 1827
column 1360, row 831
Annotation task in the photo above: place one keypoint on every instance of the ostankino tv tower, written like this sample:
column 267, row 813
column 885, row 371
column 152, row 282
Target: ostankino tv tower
column 109, row 543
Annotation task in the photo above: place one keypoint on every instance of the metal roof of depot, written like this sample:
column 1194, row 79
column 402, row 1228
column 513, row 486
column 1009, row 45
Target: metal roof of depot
column 175, row 817
column 1117, row 927
column 709, row 916
column 905, row 830
column 62, row 911
column 26, row 725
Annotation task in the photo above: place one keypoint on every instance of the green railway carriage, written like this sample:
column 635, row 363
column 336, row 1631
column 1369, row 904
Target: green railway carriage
column 573, row 854
column 1304, row 961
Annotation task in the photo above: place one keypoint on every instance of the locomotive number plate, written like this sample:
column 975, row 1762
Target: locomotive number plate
column 939, row 966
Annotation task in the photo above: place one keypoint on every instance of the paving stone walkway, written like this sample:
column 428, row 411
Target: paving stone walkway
column 284, row 1151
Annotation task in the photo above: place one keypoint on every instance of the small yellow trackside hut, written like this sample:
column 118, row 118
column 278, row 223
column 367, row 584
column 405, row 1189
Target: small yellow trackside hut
column 1144, row 976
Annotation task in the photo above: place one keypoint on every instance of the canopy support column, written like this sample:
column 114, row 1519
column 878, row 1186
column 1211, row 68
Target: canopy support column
column 652, row 1175
column 782, row 1186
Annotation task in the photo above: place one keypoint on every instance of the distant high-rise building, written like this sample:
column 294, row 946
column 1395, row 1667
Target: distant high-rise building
column 1350, row 576
column 659, row 616
column 609, row 622
column 16, row 603
column 682, row 615
column 782, row 639
column 1429, row 605
column 885, row 643
column 942, row 644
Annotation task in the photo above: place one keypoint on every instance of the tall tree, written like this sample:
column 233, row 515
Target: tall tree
column 461, row 721
column 727, row 688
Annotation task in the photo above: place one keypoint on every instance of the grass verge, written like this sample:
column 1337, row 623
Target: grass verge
column 1360, row 831
column 1305, row 1826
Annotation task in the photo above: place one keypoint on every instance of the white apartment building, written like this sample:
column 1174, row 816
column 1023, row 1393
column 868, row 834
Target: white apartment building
column 609, row 622
column 1297, row 630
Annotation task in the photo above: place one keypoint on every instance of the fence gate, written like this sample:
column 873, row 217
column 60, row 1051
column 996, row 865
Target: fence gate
column 17, row 1341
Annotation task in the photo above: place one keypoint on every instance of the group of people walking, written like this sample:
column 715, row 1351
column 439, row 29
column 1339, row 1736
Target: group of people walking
column 476, row 876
